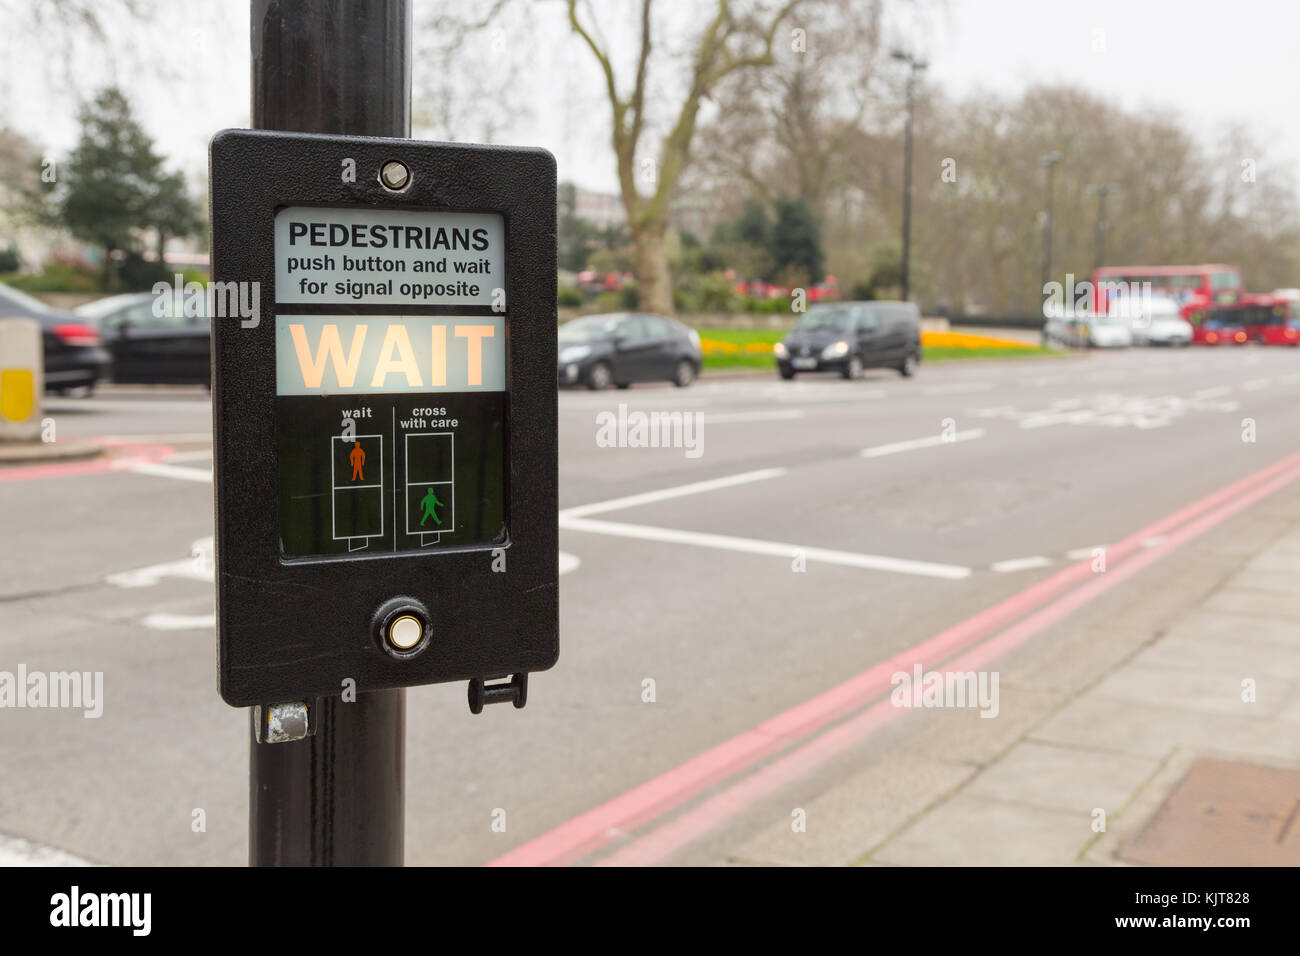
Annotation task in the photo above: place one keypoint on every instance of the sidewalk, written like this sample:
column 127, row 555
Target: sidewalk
column 1127, row 736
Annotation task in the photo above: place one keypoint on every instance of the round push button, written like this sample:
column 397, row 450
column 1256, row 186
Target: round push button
column 405, row 632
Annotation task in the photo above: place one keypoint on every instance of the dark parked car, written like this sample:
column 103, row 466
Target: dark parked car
column 74, row 357
column 847, row 337
column 625, row 347
column 148, row 348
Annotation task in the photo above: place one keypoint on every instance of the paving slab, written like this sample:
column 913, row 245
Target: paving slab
column 854, row 816
column 1056, row 777
column 973, row 831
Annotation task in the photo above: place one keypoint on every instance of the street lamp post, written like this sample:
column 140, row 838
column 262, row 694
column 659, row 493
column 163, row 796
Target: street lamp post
column 1101, row 191
column 916, row 66
column 1049, row 163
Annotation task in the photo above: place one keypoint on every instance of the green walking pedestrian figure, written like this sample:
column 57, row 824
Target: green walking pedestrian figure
column 427, row 503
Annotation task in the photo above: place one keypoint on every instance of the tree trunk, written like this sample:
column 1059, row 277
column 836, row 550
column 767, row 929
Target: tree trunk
column 654, row 285
column 108, row 278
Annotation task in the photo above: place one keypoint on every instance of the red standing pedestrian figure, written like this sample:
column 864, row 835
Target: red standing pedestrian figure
column 358, row 458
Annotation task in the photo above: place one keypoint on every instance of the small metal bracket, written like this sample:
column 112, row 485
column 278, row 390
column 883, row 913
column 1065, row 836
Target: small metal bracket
column 514, row 691
column 281, row 723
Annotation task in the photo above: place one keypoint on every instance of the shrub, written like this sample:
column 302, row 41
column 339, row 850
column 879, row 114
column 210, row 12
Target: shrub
column 57, row 277
column 609, row 302
column 569, row 297
column 710, row 293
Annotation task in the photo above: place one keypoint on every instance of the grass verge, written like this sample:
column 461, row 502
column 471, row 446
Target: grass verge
column 752, row 348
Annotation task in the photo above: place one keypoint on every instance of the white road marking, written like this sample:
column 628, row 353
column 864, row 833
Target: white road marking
column 569, row 562
column 1078, row 554
column 898, row 446
column 15, row 851
column 189, row 456
column 956, row 388
column 1213, row 392
column 1255, row 384
column 171, row 471
column 727, row 417
column 1020, row 564
column 180, row 622
column 873, row 562
column 1289, row 379
column 650, row 497
column 197, row 567
column 167, row 438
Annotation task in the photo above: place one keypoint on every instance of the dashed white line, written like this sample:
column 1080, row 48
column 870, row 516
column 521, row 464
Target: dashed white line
column 1021, row 564
column 956, row 388
column 665, row 494
column 159, row 470
column 1213, row 392
column 1078, row 554
column 872, row 562
column 180, row 622
column 725, row 418
column 899, row 446
column 188, row 456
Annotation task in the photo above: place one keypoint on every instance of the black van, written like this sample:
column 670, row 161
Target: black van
column 848, row 337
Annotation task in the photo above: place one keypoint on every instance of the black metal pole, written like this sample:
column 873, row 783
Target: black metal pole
column 334, row 798
column 905, row 267
column 1100, row 253
column 1051, row 196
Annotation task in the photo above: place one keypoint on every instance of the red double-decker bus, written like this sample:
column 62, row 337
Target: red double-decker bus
column 1209, row 284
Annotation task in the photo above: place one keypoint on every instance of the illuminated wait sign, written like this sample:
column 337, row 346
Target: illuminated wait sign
column 340, row 354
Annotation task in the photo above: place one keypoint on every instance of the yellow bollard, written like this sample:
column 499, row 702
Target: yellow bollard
column 22, row 379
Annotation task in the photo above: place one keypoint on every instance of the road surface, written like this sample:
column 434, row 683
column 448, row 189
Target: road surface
column 823, row 527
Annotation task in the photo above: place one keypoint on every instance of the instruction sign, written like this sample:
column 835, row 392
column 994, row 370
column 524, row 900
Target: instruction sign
column 343, row 256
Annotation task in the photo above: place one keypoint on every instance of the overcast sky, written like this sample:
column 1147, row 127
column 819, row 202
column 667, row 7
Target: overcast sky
column 1208, row 63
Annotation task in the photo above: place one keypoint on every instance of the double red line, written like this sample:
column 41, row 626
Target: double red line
column 126, row 454
column 1009, row 623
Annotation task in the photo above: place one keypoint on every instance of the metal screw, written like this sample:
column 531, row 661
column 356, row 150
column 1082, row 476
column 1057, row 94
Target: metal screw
column 395, row 175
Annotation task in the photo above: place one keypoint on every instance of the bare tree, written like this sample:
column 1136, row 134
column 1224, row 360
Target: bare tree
column 730, row 42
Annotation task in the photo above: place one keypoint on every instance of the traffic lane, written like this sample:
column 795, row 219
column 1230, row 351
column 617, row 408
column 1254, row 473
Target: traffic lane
column 780, row 416
column 101, row 577
column 1036, row 675
column 124, row 787
column 838, row 430
column 64, row 534
column 1013, row 493
column 132, row 415
column 453, row 694
column 727, row 639
column 749, row 431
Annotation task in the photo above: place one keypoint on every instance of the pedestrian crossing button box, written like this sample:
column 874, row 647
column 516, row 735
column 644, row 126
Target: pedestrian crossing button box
column 384, row 413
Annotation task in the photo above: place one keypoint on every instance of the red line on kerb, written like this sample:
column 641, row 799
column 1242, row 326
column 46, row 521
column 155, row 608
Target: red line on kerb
column 132, row 454
column 593, row 829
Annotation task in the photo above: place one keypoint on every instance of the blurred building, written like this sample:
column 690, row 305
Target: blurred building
column 602, row 210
